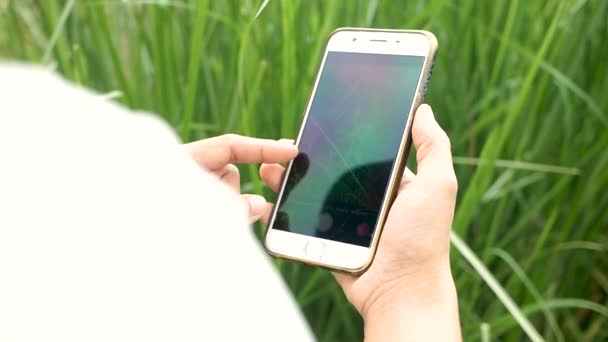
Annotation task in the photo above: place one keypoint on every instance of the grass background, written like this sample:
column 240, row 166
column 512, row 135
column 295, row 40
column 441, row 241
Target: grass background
column 520, row 86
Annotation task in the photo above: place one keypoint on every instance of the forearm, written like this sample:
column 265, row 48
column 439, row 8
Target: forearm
column 427, row 312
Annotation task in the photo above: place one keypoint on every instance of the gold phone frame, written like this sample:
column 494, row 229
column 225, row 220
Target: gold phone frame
column 400, row 160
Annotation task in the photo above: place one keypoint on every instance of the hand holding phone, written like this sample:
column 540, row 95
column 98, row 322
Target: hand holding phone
column 353, row 146
column 409, row 285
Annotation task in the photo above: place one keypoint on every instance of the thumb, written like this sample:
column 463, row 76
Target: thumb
column 256, row 206
column 433, row 150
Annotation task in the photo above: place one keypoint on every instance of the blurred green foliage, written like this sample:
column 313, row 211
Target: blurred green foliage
column 520, row 86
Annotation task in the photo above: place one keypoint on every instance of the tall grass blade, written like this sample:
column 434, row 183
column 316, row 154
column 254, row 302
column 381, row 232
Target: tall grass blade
column 194, row 64
column 521, row 274
column 520, row 165
column 485, row 332
column 493, row 284
column 65, row 13
column 261, row 9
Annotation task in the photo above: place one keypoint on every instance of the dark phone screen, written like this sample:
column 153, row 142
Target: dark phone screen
column 348, row 147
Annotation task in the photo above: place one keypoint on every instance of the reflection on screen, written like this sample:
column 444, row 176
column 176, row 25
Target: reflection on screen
column 350, row 140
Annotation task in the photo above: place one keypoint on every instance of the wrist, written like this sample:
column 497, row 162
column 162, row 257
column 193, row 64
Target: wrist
column 420, row 285
column 415, row 307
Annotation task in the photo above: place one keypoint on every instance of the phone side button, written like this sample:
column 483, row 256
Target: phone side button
column 315, row 249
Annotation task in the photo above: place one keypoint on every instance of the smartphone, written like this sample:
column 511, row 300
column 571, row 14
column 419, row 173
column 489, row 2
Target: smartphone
column 353, row 146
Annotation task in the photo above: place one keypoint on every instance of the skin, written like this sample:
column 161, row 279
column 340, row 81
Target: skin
column 408, row 293
column 219, row 154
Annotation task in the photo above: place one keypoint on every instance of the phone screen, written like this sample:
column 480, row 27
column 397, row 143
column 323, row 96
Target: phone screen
column 350, row 140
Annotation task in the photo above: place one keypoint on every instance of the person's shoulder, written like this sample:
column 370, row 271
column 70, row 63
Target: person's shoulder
column 36, row 96
column 16, row 77
column 14, row 68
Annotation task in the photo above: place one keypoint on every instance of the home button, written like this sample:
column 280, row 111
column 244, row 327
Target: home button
column 315, row 249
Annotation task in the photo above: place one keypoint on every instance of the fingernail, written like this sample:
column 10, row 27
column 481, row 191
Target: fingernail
column 427, row 108
column 289, row 144
column 256, row 204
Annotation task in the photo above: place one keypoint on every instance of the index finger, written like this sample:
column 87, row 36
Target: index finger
column 217, row 152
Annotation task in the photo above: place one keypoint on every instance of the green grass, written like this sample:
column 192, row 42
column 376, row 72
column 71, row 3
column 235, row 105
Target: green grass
column 520, row 86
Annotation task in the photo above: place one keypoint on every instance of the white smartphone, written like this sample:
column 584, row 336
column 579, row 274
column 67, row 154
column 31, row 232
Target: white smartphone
column 353, row 145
